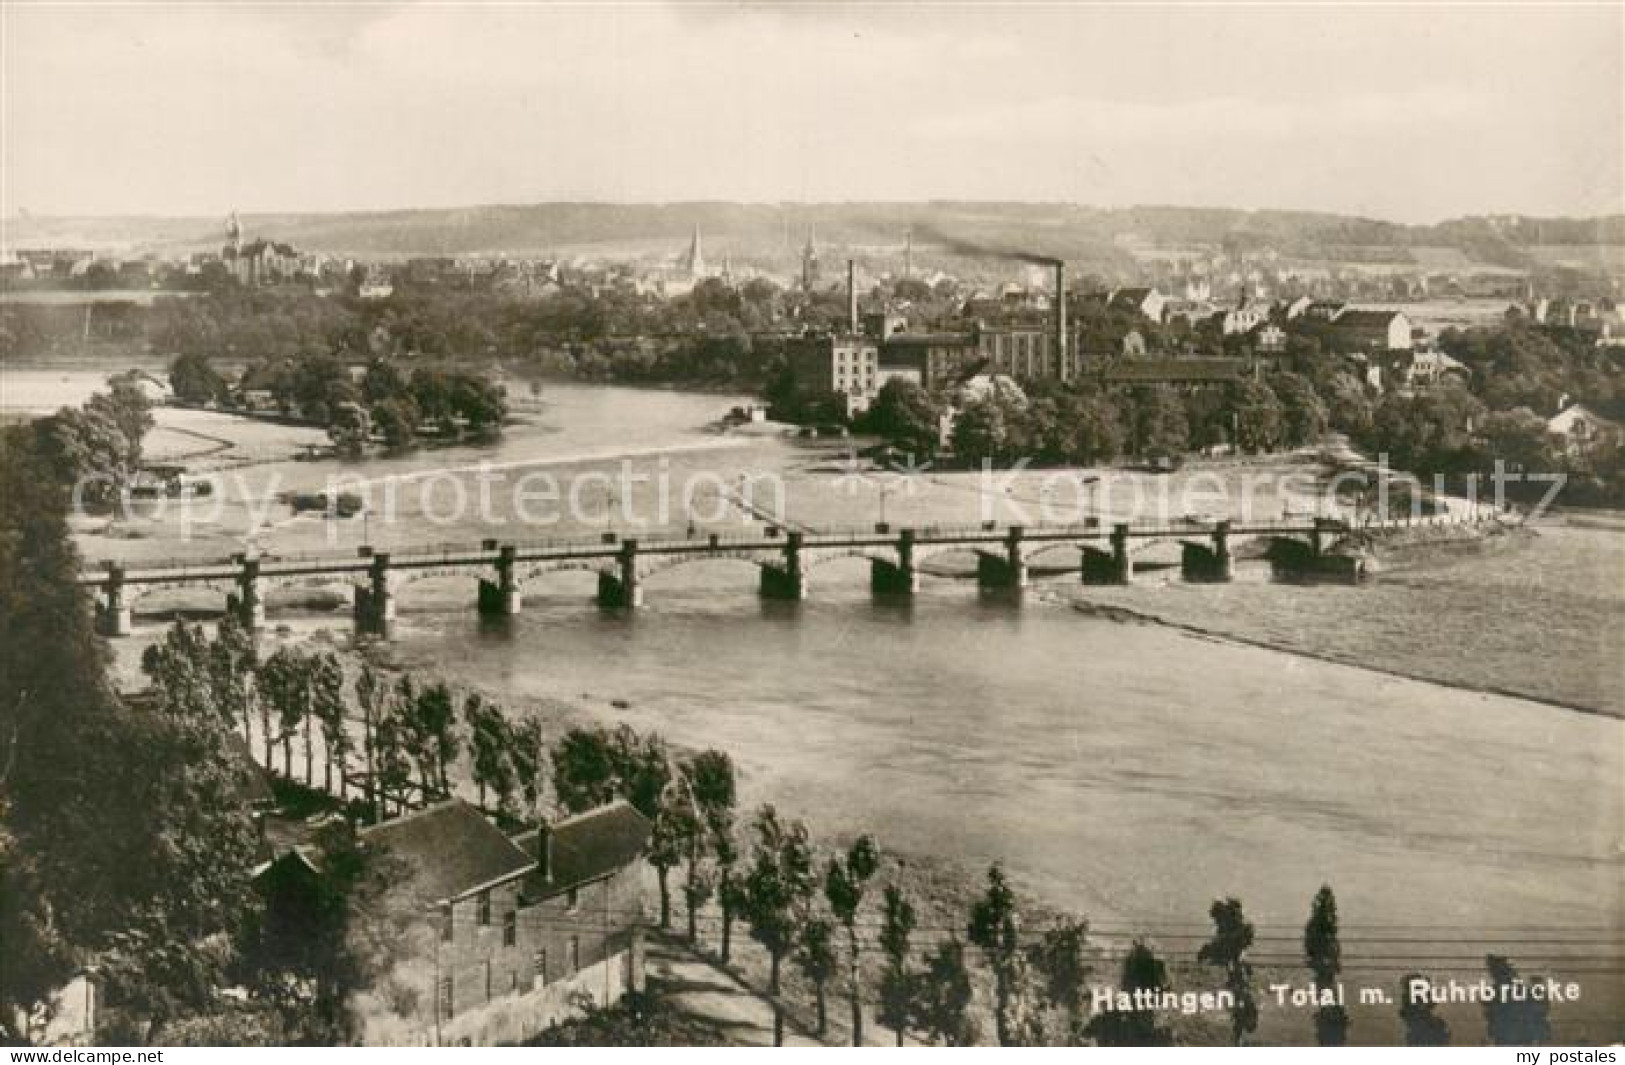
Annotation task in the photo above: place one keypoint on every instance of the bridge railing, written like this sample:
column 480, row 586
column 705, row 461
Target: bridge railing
column 452, row 553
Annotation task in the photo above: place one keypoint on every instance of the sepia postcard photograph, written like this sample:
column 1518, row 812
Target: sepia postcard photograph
column 815, row 524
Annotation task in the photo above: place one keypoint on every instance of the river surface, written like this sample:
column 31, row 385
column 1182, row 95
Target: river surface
column 1126, row 771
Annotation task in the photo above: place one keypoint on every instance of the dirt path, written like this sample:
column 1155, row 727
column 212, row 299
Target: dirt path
column 708, row 993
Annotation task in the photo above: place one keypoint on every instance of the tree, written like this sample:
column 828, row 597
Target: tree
column 1303, row 415
column 181, row 675
column 896, row 986
column 128, row 408
column 432, row 725
column 491, row 745
column 1258, row 415
column 392, row 749
column 285, row 679
column 1232, row 937
column 731, row 897
column 86, row 450
column 327, row 706
column 1348, row 405
column 125, row 829
column 1324, row 955
column 595, row 766
column 330, row 933
column 777, row 890
column 396, row 421
column 233, row 672
column 1423, row 1027
column 995, row 928
column 942, row 996
column 1058, row 957
column 1145, row 973
column 349, row 426
column 527, row 751
column 194, row 379
column 708, row 792
column 39, row 959
column 668, row 844
column 372, row 696
column 584, row 769
column 845, row 878
column 1160, row 427
column 984, row 428
column 815, row 956
column 1512, row 1017
column 905, row 414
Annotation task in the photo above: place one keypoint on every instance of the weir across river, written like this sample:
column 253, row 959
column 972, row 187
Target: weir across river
column 1104, row 555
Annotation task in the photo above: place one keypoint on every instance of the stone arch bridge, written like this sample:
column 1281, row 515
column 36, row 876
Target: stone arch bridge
column 784, row 557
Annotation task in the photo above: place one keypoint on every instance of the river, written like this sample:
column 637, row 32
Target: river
column 1126, row 771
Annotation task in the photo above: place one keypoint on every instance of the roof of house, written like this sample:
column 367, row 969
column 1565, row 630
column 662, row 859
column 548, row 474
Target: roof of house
column 1365, row 319
column 1145, row 371
column 453, row 848
column 1565, row 420
column 584, row 848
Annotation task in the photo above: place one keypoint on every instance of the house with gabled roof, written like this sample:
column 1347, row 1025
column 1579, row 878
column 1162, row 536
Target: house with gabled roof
column 521, row 930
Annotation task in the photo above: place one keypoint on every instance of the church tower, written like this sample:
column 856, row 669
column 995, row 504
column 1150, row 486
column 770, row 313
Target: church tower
column 694, row 260
column 809, row 264
column 234, row 234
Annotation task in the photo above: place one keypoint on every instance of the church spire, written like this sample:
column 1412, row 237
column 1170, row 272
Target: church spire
column 809, row 263
column 694, row 261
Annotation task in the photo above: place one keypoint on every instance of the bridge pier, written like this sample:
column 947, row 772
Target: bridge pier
column 1109, row 567
column 896, row 579
column 1294, row 560
column 1007, row 571
column 248, row 602
column 619, row 589
column 787, row 581
column 502, row 597
column 113, row 615
column 374, row 606
column 1209, row 564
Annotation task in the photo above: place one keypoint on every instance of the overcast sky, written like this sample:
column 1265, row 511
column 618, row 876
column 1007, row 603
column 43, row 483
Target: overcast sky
column 1394, row 112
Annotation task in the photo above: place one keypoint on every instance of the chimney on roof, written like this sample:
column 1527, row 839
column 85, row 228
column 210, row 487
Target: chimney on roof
column 852, row 297
column 544, row 850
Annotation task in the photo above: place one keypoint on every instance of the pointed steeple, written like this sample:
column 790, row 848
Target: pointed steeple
column 809, row 263
column 694, row 261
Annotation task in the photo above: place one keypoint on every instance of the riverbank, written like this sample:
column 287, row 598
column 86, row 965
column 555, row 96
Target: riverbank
column 1522, row 613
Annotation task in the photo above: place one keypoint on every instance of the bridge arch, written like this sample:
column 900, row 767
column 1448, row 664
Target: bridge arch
column 1037, row 550
column 528, row 575
column 188, row 597
column 650, row 565
column 813, row 557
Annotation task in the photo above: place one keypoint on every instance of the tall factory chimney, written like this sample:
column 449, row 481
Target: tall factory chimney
column 852, row 296
column 1062, row 369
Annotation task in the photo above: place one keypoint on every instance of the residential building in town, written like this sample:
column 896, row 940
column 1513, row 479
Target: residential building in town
column 843, row 365
column 1365, row 331
column 522, row 929
column 931, row 359
column 1581, row 429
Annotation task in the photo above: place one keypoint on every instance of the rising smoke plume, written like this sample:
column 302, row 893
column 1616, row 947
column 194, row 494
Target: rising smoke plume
column 973, row 249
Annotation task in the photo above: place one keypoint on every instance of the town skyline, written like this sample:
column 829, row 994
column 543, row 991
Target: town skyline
column 1410, row 116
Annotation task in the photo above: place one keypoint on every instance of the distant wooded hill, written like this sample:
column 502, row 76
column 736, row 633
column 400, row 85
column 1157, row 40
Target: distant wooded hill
column 774, row 232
